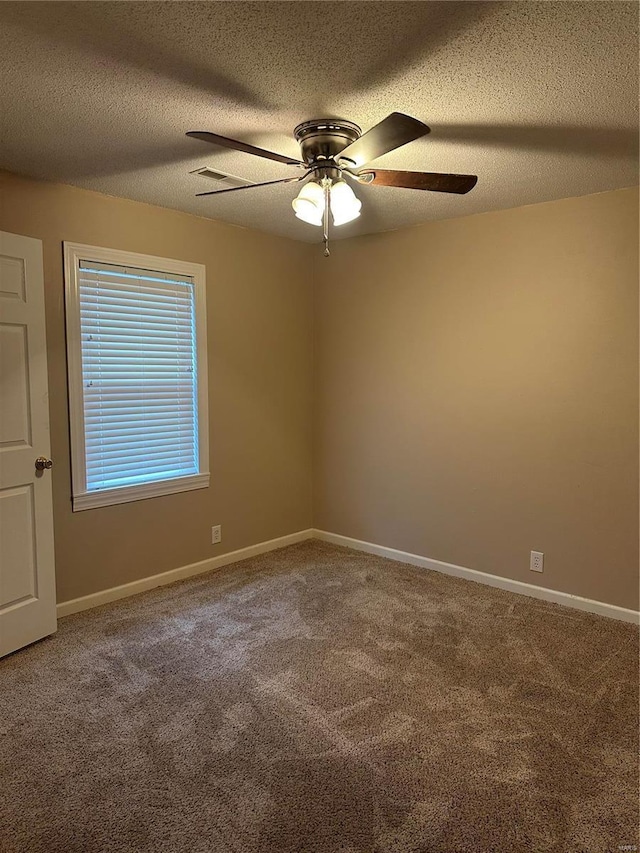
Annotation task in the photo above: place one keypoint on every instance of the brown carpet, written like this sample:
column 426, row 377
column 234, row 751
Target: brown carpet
column 317, row 699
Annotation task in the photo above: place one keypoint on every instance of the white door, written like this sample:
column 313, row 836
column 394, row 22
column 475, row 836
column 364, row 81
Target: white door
column 27, row 580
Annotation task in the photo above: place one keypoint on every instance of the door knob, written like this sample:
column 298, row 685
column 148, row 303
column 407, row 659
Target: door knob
column 42, row 462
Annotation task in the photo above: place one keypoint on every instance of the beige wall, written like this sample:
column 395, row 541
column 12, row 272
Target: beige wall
column 477, row 392
column 259, row 304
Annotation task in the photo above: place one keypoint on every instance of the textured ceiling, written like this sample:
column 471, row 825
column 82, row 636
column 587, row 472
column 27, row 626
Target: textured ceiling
column 539, row 100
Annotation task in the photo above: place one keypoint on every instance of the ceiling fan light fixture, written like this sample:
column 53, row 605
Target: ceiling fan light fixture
column 333, row 148
column 309, row 203
column 345, row 205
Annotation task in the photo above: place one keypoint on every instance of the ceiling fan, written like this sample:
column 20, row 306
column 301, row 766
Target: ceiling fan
column 335, row 149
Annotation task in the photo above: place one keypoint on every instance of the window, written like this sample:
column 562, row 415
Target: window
column 136, row 348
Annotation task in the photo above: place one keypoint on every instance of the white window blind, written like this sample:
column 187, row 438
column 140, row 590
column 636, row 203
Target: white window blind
column 139, row 375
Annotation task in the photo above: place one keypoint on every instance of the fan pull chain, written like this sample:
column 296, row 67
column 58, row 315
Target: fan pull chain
column 326, row 184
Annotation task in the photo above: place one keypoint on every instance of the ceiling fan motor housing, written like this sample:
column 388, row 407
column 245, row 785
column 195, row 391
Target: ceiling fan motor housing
column 322, row 140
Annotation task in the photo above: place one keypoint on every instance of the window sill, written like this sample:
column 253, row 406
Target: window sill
column 126, row 494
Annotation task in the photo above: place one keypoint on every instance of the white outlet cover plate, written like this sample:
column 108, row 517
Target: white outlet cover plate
column 536, row 563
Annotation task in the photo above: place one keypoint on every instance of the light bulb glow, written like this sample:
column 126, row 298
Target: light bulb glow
column 309, row 203
column 345, row 205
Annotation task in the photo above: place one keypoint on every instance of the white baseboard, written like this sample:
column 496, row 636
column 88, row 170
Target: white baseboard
column 75, row 605
column 520, row 587
column 105, row 596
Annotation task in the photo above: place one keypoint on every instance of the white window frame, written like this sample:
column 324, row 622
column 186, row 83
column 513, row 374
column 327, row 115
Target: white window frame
column 82, row 498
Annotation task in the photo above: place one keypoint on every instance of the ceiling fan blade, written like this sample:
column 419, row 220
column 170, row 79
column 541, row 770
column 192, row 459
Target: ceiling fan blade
column 253, row 186
column 237, row 145
column 395, row 130
column 433, row 181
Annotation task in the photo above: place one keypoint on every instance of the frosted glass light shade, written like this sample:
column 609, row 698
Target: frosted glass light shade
column 345, row 205
column 309, row 203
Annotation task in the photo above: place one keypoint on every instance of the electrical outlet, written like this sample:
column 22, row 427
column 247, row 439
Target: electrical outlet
column 216, row 535
column 536, row 562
